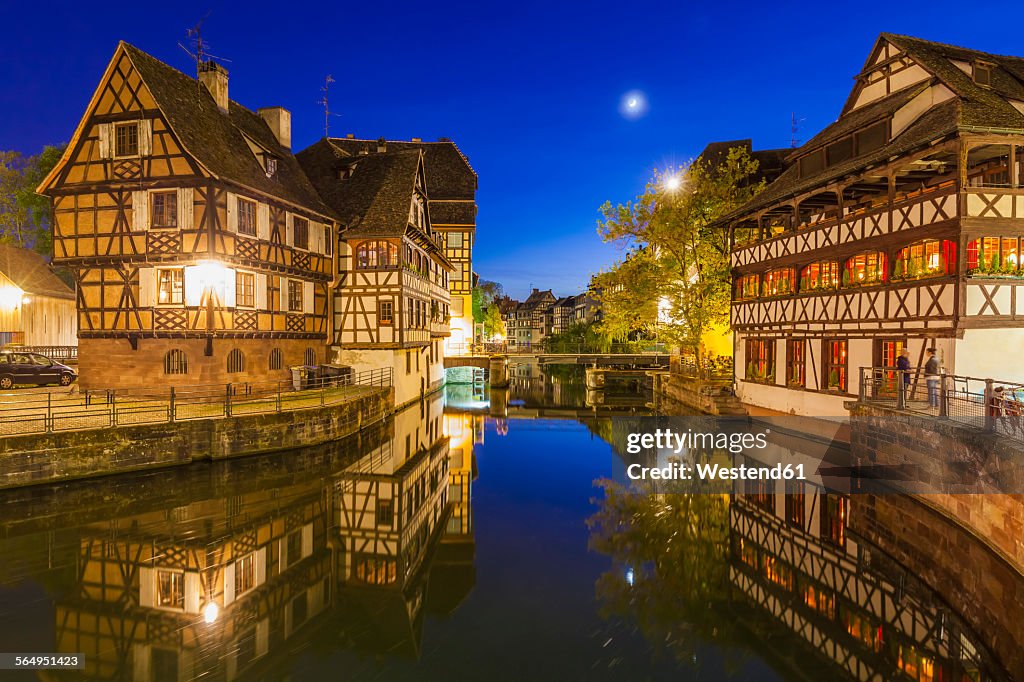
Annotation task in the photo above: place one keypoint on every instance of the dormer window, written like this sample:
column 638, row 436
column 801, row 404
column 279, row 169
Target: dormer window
column 271, row 167
column 983, row 74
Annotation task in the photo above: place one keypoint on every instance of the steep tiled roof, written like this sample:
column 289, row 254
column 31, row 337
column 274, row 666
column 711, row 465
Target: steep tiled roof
column 31, row 273
column 217, row 140
column 449, row 175
column 371, row 194
column 771, row 162
column 452, row 212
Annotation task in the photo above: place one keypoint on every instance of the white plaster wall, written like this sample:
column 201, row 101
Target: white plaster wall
column 782, row 399
column 989, row 354
column 407, row 384
column 860, row 353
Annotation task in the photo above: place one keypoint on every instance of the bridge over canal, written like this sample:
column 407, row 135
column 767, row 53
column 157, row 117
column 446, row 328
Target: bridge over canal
column 630, row 360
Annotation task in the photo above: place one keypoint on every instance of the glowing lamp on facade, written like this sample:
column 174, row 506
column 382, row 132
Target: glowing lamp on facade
column 207, row 278
column 210, row 612
column 10, row 297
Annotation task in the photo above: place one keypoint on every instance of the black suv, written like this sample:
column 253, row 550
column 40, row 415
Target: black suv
column 32, row 368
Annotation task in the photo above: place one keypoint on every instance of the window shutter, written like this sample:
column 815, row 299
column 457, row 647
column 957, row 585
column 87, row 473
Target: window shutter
column 232, row 200
column 147, row 287
column 315, row 598
column 106, row 149
column 140, row 210
column 186, row 207
column 261, row 565
column 147, row 581
column 307, row 297
column 283, row 303
column 140, row 662
column 288, row 229
column 316, row 237
column 192, row 592
column 263, row 221
column 261, row 291
column 282, row 555
column 307, row 539
column 146, row 137
column 262, row 637
column 229, row 583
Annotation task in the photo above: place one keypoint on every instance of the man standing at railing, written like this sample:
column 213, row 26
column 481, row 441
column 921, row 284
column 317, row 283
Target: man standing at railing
column 932, row 375
column 903, row 365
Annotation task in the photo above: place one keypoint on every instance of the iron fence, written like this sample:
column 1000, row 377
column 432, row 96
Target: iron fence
column 23, row 412
column 987, row 404
column 59, row 353
column 718, row 371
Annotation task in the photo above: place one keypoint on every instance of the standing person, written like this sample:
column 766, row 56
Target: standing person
column 903, row 365
column 932, row 375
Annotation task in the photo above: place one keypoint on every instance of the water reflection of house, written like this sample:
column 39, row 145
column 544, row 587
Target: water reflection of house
column 863, row 616
column 224, row 586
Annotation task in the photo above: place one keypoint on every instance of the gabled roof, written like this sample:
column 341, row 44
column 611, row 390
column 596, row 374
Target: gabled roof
column 449, row 175
column 31, row 273
column 770, row 162
column 370, row 194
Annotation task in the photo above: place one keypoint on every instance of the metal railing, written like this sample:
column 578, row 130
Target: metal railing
column 987, row 404
column 59, row 353
column 719, row 371
column 34, row 412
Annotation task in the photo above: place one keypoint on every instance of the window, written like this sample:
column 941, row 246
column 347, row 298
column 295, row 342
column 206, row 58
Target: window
column 886, row 353
column 294, row 296
column 164, row 212
column 778, row 282
column 371, row 569
column 746, row 287
column 821, row 276
column 294, row 546
column 246, row 217
column 175, row 362
column 236, row 361
column 271, row 167
column 376, row 254
column 993, row 256
column 865, row 268
column 171, row 286
column 276, row 359
column 925, row 259
column 759, row 492
column 454, row 240
column 410, row 320
column 170, row 589
column 300, row 232
column 796, row 362
column 840, row 150
column 795, row 503
column 245, row 574
column 761, row 360
column 833, row 519
column 835, row 365
column 873, row 137
column 309, row 357
column 982, row 74
column 408, row 370
column 812, row 163
column 385, row 512
column 386, row 313
column 126, row 139
column 245, row 289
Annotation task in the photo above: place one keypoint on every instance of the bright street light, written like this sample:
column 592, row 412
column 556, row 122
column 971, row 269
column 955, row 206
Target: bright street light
column 672, row 183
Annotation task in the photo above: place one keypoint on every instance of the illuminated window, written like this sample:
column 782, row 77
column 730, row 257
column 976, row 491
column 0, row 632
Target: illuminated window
column 300, row 232
column 925, row 259
column 245, row 574
column 245, row 289
column 796, row 362
column 170, row 589
column 746, row 287
column 164, row 210
column 374, row 570
column 246, row 217
column 170, row 286
column 820, row 276
column 778, row 282
column 126, row 139
column 376, row 254
column 865, row 268
column 761, row 360
column 835, row 364
column 994, row 256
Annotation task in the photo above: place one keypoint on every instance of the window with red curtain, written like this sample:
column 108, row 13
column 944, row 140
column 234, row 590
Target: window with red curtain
column 761, row 360
column 835, row 357
column 866, row 268
column 818, row 276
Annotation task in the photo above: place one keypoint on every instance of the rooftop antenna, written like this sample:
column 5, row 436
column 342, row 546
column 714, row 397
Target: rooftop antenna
column 794, row 130
column 325, row 103
column 200, row 51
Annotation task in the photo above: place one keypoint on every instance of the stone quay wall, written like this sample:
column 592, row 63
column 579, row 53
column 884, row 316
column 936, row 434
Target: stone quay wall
column 972, row 476
column 52, row 457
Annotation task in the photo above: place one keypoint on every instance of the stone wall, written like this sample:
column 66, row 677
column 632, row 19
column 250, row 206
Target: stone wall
column 973, row 476
column 45, row 458
column 684, row 392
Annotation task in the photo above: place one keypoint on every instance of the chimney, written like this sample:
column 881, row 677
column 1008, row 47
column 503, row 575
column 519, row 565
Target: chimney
column 280, row 121
column 215, row 78
column 382, row 145
column 417, row 139
column 350, row 136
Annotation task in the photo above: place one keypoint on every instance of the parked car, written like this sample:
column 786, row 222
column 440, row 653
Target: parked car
column 32, row 368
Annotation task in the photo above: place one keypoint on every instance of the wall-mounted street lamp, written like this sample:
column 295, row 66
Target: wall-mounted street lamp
column 10, row 297
column 672, row 183
column 206, row 283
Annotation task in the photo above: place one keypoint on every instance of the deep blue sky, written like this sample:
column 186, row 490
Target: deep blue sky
column 529, row 90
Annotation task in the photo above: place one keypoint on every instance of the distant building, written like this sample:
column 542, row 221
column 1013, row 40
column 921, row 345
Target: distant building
column 36, row 307
column 562, row 315
column 528, row 320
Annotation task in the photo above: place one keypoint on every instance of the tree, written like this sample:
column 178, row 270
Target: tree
column 26, row 218
column 484, row 294
column 678, row 276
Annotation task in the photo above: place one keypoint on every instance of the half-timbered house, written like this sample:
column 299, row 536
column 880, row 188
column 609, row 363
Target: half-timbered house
column 36, row 307
column 451, row 185
column 898, row 226
column 391, row 300
column 200, row 250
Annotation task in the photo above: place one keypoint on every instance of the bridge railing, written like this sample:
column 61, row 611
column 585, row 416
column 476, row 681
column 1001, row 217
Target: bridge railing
column 58, row 353
column 984, row 403
column 718, row 371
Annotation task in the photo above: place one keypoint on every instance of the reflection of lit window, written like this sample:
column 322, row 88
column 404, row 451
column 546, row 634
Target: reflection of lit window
column 375, row 570
column 294, row 546
column 862, row 628
column 833, row 519
column 245, row 573
column 170, row 589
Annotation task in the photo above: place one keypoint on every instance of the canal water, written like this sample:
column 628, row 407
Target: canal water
column 481, row 535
